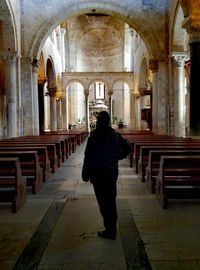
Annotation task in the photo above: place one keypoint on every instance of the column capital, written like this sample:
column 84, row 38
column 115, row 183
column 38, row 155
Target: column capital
column 179, row 58
column 35, row 64
column 52, row 91
column 42, row 81
column 25, row 60
column 86, row 93
column 192, row 26
column 153, row 65
column 110, row 92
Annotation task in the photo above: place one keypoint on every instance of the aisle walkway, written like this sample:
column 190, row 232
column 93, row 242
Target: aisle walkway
column 57, row 229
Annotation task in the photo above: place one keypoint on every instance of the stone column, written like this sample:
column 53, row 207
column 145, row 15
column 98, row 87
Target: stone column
column 59, row 113
column 62, row 47
column 153, row 66
column 53, row 109
column 110, row 94
column 87, row 126
column 11, row 95
column 179, row 93
column 27, row 96
column 65, row 109
column 35, row 67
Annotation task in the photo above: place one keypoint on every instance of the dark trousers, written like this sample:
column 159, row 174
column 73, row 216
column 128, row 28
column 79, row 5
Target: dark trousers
column 106, row 192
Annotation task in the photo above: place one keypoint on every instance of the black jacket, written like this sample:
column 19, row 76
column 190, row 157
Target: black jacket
column 105, row 147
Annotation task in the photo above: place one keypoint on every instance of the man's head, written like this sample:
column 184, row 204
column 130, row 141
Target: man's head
column 103, row 119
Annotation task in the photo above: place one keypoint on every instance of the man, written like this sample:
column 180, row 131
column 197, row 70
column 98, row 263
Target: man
column 105, row 147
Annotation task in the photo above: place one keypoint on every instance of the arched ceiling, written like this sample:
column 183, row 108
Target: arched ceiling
column 9, row 37
column 140, row 16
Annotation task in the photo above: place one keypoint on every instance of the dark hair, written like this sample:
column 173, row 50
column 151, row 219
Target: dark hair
column 103, row 119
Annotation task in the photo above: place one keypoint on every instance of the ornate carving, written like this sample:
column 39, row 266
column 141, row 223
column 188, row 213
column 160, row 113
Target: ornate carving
column 35, row 64
column 180, row 58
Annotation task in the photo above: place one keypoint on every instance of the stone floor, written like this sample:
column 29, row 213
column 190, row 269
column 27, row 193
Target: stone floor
column 56, row 229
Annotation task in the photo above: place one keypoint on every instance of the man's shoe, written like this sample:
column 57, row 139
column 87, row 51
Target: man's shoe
column 105, row 234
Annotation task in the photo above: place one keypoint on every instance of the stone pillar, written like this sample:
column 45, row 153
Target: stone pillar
column 11, row 95
column 153, row 66
column 35, row 67
column 62, row 47
column 132, row 124
column 59, row 113
column 87, row 126
column 27, row 96
column 53, row 109
column 65, row 115
column 179, row 93
column 110, row 93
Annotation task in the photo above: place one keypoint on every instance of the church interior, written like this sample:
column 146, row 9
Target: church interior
column 61, row 63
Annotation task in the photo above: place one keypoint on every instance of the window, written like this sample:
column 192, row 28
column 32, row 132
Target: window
column 99, row 88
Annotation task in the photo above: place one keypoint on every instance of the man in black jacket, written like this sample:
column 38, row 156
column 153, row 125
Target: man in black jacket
column 105, row 147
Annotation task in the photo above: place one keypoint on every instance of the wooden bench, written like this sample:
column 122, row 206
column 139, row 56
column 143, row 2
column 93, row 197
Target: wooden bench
column 178, row 177
column 30, row 167
column 152, row 167
column 53, row 146
column 12, row 183
column 51, row 149
column 42, row 154
column 136, row 141
column 139, row 155
column 70, row 141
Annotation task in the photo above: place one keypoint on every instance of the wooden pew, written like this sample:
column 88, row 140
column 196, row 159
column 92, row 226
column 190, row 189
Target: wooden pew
column 70, row 141
column 136, row 140
column 42, row 154
column 139, row 155
column 178, row 177
column 51, row 149
column 12, row 183
column 152, row 167
column 53, row 146
column 30, row 167
column 145, row 150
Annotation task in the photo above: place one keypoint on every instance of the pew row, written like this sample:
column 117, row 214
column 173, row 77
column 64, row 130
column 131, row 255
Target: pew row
column 42, row 155
column 12, row 183
column 152, row 167
column 30, row 167
column 178, row 178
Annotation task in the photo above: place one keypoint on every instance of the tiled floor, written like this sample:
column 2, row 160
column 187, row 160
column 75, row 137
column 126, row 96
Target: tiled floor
column 56, row 230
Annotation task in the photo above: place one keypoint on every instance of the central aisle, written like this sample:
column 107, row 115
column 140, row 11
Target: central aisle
column 74, row 244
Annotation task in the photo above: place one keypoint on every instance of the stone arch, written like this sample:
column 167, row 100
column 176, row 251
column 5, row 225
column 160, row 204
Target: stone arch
column 120, row 79
column 141, row 25
column 9, row 28
column 74, row 81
